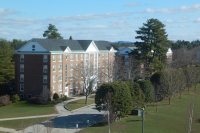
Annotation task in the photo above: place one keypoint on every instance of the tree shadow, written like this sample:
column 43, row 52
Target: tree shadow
column 75, row 121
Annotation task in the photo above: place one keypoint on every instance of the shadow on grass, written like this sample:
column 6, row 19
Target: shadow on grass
column 134, row 120
column 71, row 121
column 198, row 120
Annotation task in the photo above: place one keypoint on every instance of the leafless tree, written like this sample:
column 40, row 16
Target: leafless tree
column 88, row 76
column 168, row 82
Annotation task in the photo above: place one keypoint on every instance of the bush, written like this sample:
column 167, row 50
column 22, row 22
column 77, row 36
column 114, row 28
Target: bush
column 5, row 100
column 64, row 98
column 15, row 98
column 55, row 96
column 115, row 97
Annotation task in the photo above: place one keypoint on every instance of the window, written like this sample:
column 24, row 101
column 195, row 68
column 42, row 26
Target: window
column 72, row 66
column 53, row 58
column 21, row 67
column 21, row 77
column 45, row 58
column 44, row 78
column 72, row 85
column 54, row 68
column 71, row 56
column 33, row 47
column 44, row 87
column 60, row 77
column 21, row 87
column 60, row 67
column 45, row 69
column 71, row 73
column 22, row 58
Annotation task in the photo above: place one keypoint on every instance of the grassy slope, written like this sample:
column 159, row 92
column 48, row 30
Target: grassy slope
column 169, row 118
column 79, row 103
column 24, row 109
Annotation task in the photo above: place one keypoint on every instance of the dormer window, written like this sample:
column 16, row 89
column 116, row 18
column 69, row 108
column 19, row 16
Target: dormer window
column 33, row 47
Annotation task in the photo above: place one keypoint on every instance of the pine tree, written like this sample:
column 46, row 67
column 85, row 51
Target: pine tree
column 6, row 62
column 152, row 47
column 52, row 33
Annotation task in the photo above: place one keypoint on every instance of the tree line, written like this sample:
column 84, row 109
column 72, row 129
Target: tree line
column 7, row 73
column 154, row 79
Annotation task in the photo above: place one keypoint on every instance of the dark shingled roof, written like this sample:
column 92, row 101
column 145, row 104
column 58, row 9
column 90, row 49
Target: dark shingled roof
column 74, row 45
column 84, row 43
column 103, row 45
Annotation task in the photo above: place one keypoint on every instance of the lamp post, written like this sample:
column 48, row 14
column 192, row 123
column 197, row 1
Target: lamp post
column 142, row 115
column 142, row 120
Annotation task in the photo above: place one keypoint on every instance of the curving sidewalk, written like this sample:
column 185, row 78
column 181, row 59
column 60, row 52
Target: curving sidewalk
column 62, row 116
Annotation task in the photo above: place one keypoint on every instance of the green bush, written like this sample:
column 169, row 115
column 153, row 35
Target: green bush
column 64, row 98
column 15, row 98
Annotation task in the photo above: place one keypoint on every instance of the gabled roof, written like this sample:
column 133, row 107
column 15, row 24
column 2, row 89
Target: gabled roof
column 84, row 43
column 74, row 45
column 103, row 45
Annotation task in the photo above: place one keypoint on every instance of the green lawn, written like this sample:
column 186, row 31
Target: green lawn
column 21, row 124
column 25, row 109
column 169, row 118
column 78, row 104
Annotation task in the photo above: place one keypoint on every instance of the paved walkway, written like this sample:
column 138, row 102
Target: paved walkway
column 64, row 122
column 28, row 117
column 7, row 130
column 60, row 107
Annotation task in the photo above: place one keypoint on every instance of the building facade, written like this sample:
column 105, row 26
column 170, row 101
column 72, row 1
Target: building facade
column 62, row 66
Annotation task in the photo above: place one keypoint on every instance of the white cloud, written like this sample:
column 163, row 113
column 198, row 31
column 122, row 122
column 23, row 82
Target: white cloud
column 197, row 20
column 5, row 12
column 191, row 8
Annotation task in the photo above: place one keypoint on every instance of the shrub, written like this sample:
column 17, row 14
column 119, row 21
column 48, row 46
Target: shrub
column 5, row 100
column 15, row 98
column 55, row 96
column 64, row 98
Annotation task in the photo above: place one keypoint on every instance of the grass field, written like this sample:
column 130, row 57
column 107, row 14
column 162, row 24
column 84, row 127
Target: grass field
column 78, row 104
column 21, row 124
column 169, row 118
column 25, row 109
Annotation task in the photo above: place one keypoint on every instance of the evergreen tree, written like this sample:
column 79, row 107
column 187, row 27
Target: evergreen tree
column 153, row 45
column 52, row 33
column 6, row 62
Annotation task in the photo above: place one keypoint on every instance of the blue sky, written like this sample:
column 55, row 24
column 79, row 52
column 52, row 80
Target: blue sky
column 111, row 20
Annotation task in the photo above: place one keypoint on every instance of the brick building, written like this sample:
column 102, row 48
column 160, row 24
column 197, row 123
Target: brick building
column 62, row 66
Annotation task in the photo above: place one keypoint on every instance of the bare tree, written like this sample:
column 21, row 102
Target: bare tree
column 88, row 76
column 168, row 83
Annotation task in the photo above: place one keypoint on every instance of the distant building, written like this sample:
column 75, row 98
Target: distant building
column 123, row 67
column 59, row 66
